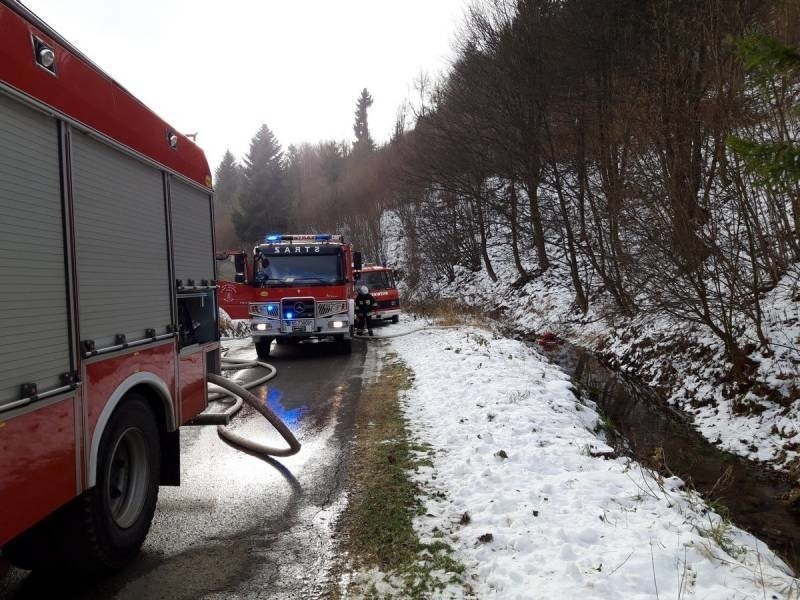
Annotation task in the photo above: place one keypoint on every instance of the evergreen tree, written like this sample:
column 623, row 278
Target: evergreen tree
column 331, row 159
column 774, row 73
column 364, row 143
column 227, row 183
column 263, row 203
column 227, row 186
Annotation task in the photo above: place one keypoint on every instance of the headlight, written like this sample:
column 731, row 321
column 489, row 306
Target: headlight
column 338, row 324
column 261, row 327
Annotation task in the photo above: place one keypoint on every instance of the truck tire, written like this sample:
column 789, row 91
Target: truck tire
column 396, row 319
column 343, row 345
column 103, row 528
column 263, row 347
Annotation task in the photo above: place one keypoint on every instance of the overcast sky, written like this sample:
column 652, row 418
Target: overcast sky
column 222, row 68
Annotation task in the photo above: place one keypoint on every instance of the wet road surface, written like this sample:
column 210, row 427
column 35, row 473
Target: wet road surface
column 239, row 526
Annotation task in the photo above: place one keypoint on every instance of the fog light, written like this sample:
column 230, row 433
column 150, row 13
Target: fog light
column 338, row 324
column 261, row 327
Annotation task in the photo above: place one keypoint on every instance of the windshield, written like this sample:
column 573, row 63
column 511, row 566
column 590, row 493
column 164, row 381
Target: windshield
column 376, row 280
column 301, row 269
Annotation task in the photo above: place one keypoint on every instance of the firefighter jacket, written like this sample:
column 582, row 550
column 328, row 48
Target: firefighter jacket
column 365, row 304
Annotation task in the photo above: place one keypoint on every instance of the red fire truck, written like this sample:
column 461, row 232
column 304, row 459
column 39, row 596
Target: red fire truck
column 296, row 287
column 380, row 281
column 107, row 303
column 234, row 272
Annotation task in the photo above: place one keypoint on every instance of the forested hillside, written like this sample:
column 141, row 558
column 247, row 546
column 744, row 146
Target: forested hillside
column 622, row 172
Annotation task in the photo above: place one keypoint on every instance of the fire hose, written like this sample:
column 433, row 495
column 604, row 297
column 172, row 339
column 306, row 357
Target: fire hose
column 404, row 333
column 240, row 394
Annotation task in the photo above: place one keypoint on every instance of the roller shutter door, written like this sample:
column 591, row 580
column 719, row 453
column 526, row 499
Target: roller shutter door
column 120, row 222
column 191, row 233
column 33, row 297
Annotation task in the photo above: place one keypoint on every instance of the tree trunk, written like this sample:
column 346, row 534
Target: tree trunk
column 580, row 295
column 532, row 185
column 515, row 231
column 482, row 232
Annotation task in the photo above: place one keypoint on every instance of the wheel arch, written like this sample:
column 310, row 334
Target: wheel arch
column 158, row 396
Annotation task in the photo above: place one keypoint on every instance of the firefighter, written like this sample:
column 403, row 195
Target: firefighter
column 260, row 266
column 365, row 304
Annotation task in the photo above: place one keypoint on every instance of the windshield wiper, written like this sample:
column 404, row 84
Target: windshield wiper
column 303, row 279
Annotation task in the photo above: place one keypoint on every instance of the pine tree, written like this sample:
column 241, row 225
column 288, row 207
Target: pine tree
column 227, row 186
column 773, row 69
column 227, row 183
column 773, row 77
column 364, row 143
column 263, row 203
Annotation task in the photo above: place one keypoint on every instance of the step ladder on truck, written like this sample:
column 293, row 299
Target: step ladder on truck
column 107, row 303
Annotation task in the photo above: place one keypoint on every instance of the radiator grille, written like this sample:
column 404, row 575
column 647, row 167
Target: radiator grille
column 298, row 308
column 327, row 309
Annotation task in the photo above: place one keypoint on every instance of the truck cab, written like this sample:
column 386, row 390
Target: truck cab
column 296, row 287
column 234, row 279
column 381, row 284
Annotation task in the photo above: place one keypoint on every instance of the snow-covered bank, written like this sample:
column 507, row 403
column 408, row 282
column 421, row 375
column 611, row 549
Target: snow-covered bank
column 759, row 421
column 518, row 453
column 233, row 328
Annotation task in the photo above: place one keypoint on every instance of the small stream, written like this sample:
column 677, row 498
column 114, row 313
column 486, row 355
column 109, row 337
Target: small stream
column 644, row 422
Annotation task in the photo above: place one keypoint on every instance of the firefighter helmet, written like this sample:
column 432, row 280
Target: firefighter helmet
column 364, row 289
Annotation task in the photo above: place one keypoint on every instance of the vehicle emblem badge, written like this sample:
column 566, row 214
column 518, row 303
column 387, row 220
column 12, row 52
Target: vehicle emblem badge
column 299, row 307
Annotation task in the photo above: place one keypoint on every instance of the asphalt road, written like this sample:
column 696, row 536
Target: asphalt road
column 239, row 526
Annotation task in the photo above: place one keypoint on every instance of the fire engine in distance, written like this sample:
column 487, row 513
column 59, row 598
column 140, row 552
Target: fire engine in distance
column 381, row 284
column 296, row 287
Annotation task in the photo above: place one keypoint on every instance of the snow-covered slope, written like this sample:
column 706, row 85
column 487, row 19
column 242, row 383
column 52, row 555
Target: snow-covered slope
column 687, row 361
column 518, row 452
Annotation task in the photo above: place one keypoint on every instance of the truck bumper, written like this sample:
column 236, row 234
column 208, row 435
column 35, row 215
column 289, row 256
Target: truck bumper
column 386, row 314
column 285, row 329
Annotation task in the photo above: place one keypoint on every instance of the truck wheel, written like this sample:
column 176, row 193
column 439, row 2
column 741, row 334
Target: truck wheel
column 396, row 319
column 103, row 528
column 118, row 511
column 263, row 347
column 343, row 345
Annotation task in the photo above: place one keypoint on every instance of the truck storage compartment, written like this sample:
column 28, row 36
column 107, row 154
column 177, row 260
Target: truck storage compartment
column 191, row 234
column 120, row 222
column 197, row 328
column 197, row 318
column 35, row 348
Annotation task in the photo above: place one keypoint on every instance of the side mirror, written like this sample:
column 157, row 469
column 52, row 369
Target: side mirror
column 240, row 264
column 357, row 261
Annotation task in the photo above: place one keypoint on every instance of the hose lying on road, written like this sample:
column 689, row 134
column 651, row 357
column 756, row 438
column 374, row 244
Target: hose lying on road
column 240, row 393
column 397, row 335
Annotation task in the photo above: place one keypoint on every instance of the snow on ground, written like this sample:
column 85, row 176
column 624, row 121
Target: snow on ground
column 517, row 451
column 687, row 360
column 233, row 328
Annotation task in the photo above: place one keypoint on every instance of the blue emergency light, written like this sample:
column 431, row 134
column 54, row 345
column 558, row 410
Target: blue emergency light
column 315, row 237
column 289, row 315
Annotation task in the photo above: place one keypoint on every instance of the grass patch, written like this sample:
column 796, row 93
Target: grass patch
column 378, row 522
column 448, row 313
